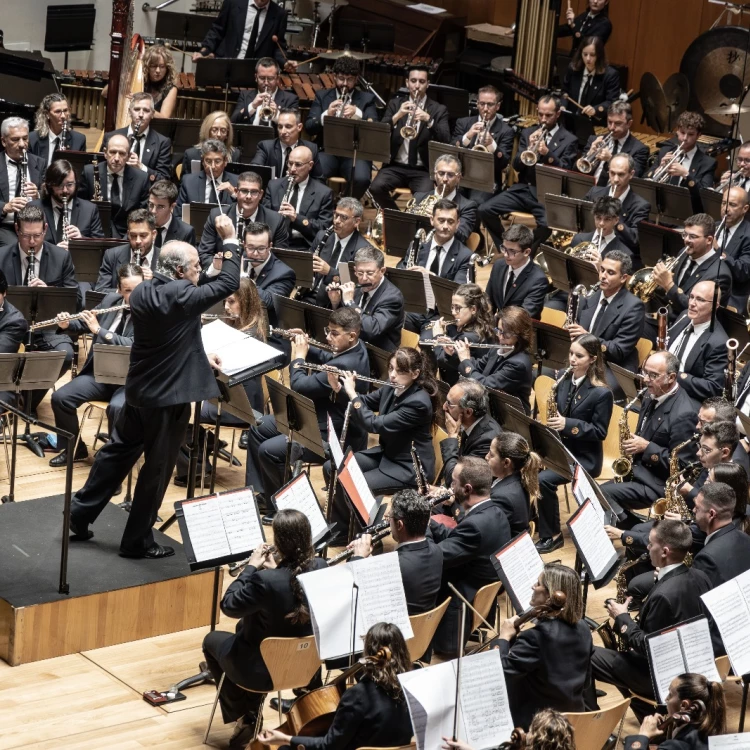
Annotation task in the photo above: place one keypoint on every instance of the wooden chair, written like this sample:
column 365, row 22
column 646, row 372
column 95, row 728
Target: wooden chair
column 472, row 241
column 612, row 441
column 424, row 627
column 593, row 728
column 644, row 347
column 483, row 601
column 723, row 667
column 409, row 338
column 291, row 662
column 518, row 217
column 90, row 406
column 553, row 317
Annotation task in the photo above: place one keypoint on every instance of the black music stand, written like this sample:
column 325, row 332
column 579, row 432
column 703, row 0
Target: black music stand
column 734, row 323
column 557, row 267
column 248, row 138
column 225, row 72
column 477, row 167
column 199, row 213
column 316, row 321
column 87, row 255
column 444, row 289
column 93, row 299
column 455, row 100
column 183, row 133
column 551, row 345
column 550, row 180
column 78, row 160
column 675, row 203
column 711, row 200
column 571, row 214
column 577, row 185
column 301, row 262
column 70, row 28
column 290, row 312
column 547, row 444
column 646, row 189
column 509, row 412
column 400, row 228
column 630, row 382
column 575, row 270
column 367, row 35
column 411, row 285
column 656, row 242
column 265, row 173
column 379, row 361
column 187, row 27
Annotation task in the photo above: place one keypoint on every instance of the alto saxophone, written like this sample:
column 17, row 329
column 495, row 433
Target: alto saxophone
column 673, row 502
column 552, row 410
column 623, row 466
column 610, row 639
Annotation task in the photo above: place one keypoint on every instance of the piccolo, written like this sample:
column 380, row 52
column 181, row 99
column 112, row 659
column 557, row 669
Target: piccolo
column 77, row 316
column 437, row 342
column 216, row 316
column 337, row 371
column 287, row 333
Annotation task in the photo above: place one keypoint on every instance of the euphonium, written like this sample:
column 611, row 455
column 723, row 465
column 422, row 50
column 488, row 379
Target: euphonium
column 409, row 130
column 623, row 466
column 673, row 502
column 479, row 142
column 531, row 156
column 642, row 283
column 552, row 410
column 590, row 162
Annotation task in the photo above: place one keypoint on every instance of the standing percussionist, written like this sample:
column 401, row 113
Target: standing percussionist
column 167, row 374
column 48, row 136
column 594, row 21
column 591, row 81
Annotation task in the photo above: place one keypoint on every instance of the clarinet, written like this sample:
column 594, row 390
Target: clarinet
column 97, row 197
column 65, row 221
column 64, row 136
column 240, row 225
column 318, row 249
column 24, row 171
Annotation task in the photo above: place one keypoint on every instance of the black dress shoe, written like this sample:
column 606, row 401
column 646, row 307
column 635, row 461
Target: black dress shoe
column 286, row 704
column 61, row 459
column 243, row 440
column 152, row 553
column 267, row 520
column 80, row 531
column 545, row 546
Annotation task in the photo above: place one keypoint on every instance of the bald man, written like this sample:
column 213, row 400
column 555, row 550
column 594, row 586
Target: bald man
column 308, row 206
column 733, row 242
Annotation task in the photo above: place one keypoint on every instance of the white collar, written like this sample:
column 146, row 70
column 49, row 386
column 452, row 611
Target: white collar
column 259, row 268
column 700, row 328
column 578, row 381
column 303, row 185
column 37, row 254
column 661, row 399
column 624, row 193
column 468, row 430
column 474, row 507
column 606, row 240
column 690, row 154
column 553, row 131
column 9, row 161
column 142, row 134
column 518, row 271
column 166, row 226
column 611, row 296
column 666, row 569
column 342, row 240
column 411, row 541
column 446, row 247
column 375, row 288
column 700, row 261
column 448, row 196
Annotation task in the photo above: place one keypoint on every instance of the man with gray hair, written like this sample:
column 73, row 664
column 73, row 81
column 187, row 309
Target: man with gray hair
column 167, row 373
column 202, row 186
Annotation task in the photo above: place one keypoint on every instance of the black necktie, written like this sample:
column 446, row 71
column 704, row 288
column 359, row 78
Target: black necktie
column 253, row 34
column 287, row 151
column 689, row 268
column 213, row 197
column 647, row 412
column 598, row 322
column 115, row 197
column 53, row 146
column 19, row 187
column 683, row 344
column 295, row 196
column 435, row 265
column 363, row 302
column 59, row 228
column 252, row 273
column 571, row 396
column 509, row 283
column 586, row 90
column 120, row 330
column 137, row 144
column 159, row 237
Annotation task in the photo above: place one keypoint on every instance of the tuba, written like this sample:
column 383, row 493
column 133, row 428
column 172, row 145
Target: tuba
column 623, row 466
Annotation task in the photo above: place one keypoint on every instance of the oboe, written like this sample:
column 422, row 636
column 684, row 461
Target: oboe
column 77, row 316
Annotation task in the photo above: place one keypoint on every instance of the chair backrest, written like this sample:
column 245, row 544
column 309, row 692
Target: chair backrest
column 644, row 347
column 723, row 666
column 593, row 728
column 472, row 242
column 554, row 317
column 409, row 338
column 438, row 435
column 611, row 443
column 291, row 662
column 424, row 627
column 542, row 386
column 483, row 600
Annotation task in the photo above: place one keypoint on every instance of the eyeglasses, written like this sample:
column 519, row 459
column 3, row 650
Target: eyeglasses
column 510, row 253
column 692, row 237
column 458, row 308
column 71, row 184
column 245, row 193
column 704, row 450
column 366, row 274
column 448, row 403
column 257, row 250
column 266, row 79
column 343, row 217
column 651, row 376
column 488, row 105
column 331, row 332
column 153, row 207
column 213, row 162
column 37, row 236
column 297, row 163
column 694, row 298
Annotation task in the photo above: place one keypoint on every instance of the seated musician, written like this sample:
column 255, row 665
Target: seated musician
column 13, row 330
column 139, row 250
column 473, row 322
column 427, row 121
column 667, row 418
column 735, row 476
column 469, row 425
column 549, row 665
column 467, row 548
column 344, row 100
column 701, row 351
column 159, row 77
column 267, row 94
column 81, row 216
column 733, row 243
column 126, row 187
column 583, row 403
column 114, row 328
column 303, row 201
column 420, row 559
column 47, row 137
column 674, row 598
column 633, row 208
column 332, row 248
column 740, row 176
column 591, row 81
column 249, row 196
column 489, row 131
column 606, row 217
column 619, row 140
column 377, row 300
column 371, row 713
column 275, row 153
column 692, row 167
column 161, row 200
column 686, row 691
column 215, row 126
column 742, row 402
column 515, row 280
column 14, row 133
column 447, row 175
column 506, row 367
column 552, row 145
column 515, row 478
column 270, row 603
column 149, row 151
column 594, row 21
column 202, row 186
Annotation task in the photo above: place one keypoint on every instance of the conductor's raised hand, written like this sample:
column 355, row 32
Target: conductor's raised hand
column 225, row 227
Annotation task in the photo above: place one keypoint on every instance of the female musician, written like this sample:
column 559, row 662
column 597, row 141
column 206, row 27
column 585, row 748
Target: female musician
column 215, row 125
column 591, row 81
column 159, row 76
column 549, row 665
column 736, row 477
column 472, row 312
column 584, row 406
column 515, row 470
column 594, row 21
column 503, row 370
column 373, row 712
column 268, row 599
column 690, row 724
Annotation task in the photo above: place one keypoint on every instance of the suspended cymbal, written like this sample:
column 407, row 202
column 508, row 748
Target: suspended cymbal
column 677, row 94
column 728, row 109
column 654, row 103
column 337, row 53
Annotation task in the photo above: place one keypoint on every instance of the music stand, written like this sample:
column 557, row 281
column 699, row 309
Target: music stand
column 443, row 289
column 455, row 100
column 509, row 412
column 628, row 381
column 552, row 345
column 477, row 167
column 301, row 262
column 379, row 361
column 183, row 133
column 87, row 255
column 646, row 189
column 657, row 241
column 70, row 28
column 582, row 272
column 249, row 136
column 577, row 184
column 550, row 180
column 316, row 321
column 400, row 228
column 225, row 72
column 78, row 159
column 265, row 173
column 557, row 267
column 734, row 324
column 199, row 213
column 95, row 298
column 547, row 444
column 411, row 285
column 675, row 202
column 290, row 312
column 188, row 27
column 566, row 213
column 369, row 35
column 711, row 200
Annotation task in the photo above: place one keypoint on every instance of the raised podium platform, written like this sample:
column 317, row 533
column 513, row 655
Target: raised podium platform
column 112, row 599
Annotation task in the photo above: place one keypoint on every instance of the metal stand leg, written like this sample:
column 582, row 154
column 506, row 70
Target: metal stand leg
column 213, row 709
column 215, row 598
column 743, row 710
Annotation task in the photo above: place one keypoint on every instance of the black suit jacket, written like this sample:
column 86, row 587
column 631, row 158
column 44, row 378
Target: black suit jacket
column 83, row 214
column 224, row 38
column 275, row 278
column 688, row 738
column 476, row 443
column 156, row 153
column 614, row 244
column 603, row 90
column 585, row 25
column 114, row 257
column 467, row 214
column 315, row 208
column 283, row 99
column 737, row 259
column 563, row 150
column 40, row 146
column 194, row 154
column 528, row 290
column 678, row 296
column 363, row 100
column 633, row 147
column 619, row 326
column 179, row 230
column 193, row 190
column 13, row 328
column 383, row 318
column 167, row 363
column 456, row 266
column 503, row 135
column 511, row 374
column 421, row 566
column 724, row 556
column 634, row 210
column 37, row 168
column 701, row 173
column 270, row 154
column 55, row 267
column 702, row 375
column 510, row 495
column 440, row 130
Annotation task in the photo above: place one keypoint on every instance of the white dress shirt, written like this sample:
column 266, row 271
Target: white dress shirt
column 300, row 194
column 9, row 218
column 599, row 308
column 443, row 255
column 209, row 185
column 698, row 330
column 143, row 135
column 249, row 21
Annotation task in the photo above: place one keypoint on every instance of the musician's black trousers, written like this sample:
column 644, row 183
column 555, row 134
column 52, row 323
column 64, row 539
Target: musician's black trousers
column 49, row 342
column 155, row 432
column 549, row 506
column 629, row 494
column 339, row 166
column 398, row 176
column 628, row 673
column 518, row 197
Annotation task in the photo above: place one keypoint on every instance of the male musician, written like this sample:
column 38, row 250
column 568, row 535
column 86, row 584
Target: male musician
column 14, row 133
column 733, row 242
column 742, row 403
column 275, row 153
column 377, row 300
column 332, row 248
column 168, row 373
column 606, row 217
column 741, row 175
column 123, row 185
column 593, row 22
column 247, row 30
column 409, row 165
column 420, row 559
column 719, row 409
column 692, row 168
column 344, row 100
column 667, row 418
column 82, row 216
column 674, row 598
column 305, row 203
column 149, row 151
column 633, row 208
column 447, row 176
column 554, row 146
column 201, row 187
column 467, row 548
column 139, row 250
column 249, row 196
column 161, row 200
column 268, row 94
column 489, row 131
column 515, row 280
column 47, row 138
column 115, row 328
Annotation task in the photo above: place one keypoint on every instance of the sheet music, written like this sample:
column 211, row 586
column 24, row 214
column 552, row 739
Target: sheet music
column 344, row 273
column 429, row 294
column 729, row 741
column 300, row 495
column 729, row 609
column 208, row 537
column 666, row 660
column 582, row 491
column 237, row 350
column 431, row 695
column 593, row 541
column 695, row 638
column 243, row 527
column 333, row 441
column 521, row 564
column 369, row 503
column 425, row 8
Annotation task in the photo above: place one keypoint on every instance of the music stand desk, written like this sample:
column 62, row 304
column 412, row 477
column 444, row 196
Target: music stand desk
column 111, row 363
column 578, row 184
column 290, row 312
column 711, row 200
column 411, row 285
column 400, row 228
column 379, row 361
column 552, row 345
column 675, row 203
column 444, row 289
column 557, row 267
column 249, row 136
column 198, row 216
column 657, row 242
column 87, row 256
column 628, row 381
column 566, row 213
column 37, row 303
column 357, row 139
column 224, row 72
column 301, row 262
column 295, row 416
column 477, row 167
column 550, row 180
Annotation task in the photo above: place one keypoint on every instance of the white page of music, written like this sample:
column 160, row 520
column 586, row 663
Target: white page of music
column 729, row 742
column 522, row 565
column 299, row 495
column 695, row 638
column 595, row 545
column 360, row 484
column 666, row 660
column 208, row 536
column 583, row 491
column 429, row 294
column 243, row 528
column 333, row 441
column 238, row 351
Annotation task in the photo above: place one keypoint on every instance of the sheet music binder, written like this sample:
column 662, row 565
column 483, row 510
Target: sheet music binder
column 305, row 478
column 366, row 518
column 614, row 562
column 111, row 363
column 538, row 567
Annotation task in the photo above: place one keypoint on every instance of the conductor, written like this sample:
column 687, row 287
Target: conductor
column 167, row 373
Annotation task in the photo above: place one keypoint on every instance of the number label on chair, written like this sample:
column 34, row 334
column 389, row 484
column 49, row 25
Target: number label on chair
column 303, row 646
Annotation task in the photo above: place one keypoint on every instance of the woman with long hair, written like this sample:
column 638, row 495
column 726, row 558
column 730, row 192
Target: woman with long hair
column 159, row 76
column 268, row 599
column 515, row 484
column 591, row 81
column 584, row 405
column 215, row 126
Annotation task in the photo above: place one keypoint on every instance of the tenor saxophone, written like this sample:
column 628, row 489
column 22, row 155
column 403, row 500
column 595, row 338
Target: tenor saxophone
column 623, row 466
column 673, row 502
column 610, row 639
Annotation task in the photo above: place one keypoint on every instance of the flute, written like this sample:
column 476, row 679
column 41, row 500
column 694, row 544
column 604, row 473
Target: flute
column 287, row 333
column 77, row 316
column 337, row 371
column 452, row 322
column 216, row 316
column 437, row 342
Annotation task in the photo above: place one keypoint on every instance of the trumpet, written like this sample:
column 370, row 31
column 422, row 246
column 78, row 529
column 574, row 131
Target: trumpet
column 590, row 163
column 265, row 113
column 409, row 130
column 662, row 173
column 346, row 99
column 337, row 371
column 530, row 157
column 482, row 137
column 289, row 190
column 77, row 316
column 288, row 334
column 735, row 179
